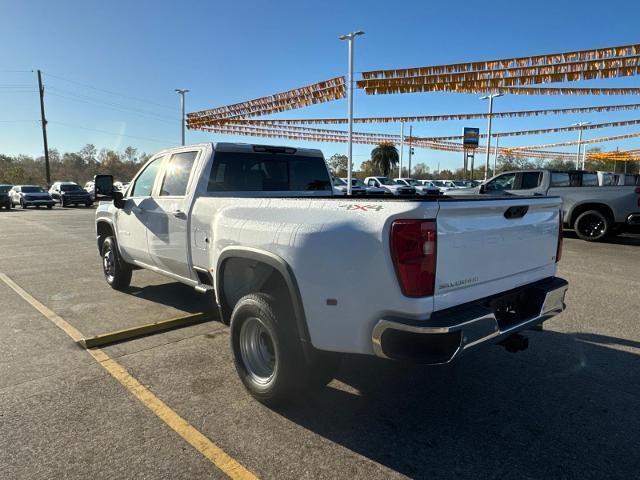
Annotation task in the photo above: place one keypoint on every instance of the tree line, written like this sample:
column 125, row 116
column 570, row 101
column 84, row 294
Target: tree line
column 80, row 166
column 384, row 161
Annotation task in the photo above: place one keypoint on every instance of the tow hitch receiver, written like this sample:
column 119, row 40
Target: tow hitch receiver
column 515, row 343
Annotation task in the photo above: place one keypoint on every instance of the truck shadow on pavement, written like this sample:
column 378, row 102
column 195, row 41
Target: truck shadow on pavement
column 565, row 408
column 176, row 295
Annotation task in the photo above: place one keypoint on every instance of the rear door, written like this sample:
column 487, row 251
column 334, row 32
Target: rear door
column 133, row 219
column 490, row 246
column 168, row 215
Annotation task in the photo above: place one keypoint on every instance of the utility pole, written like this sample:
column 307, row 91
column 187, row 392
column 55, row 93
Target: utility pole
column 401, row 148
column 350, row 37
column 44, row 130
column 181, row 92
column 410, row 150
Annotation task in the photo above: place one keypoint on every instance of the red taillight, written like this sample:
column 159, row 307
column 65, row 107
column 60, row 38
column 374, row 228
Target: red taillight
column 413, row 250
column 559, row 247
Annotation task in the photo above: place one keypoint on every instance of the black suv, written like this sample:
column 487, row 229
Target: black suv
column 70, row 193
column 5, row 199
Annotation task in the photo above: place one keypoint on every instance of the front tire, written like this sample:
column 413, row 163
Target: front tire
column 116, row 271
column 592, row 226
column 268, row 354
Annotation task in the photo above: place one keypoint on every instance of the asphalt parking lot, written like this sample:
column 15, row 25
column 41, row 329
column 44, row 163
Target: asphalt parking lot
column 568, row 407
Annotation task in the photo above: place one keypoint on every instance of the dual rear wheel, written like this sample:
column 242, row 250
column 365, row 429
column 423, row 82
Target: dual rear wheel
column 268, row 353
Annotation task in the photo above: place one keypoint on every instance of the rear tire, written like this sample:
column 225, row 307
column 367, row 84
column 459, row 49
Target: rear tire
column 592, row 226
column 268, row 354
column 116, row 271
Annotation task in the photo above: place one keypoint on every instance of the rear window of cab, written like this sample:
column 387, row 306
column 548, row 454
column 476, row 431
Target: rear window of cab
column 267, row 172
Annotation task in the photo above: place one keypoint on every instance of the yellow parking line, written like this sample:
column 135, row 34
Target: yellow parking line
column 197, row 440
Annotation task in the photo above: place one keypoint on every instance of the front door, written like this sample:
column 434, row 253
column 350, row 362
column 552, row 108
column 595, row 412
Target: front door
column 132, row 220
column 169, row 216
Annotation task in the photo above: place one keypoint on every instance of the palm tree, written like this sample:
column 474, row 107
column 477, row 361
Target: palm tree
column 385, row 157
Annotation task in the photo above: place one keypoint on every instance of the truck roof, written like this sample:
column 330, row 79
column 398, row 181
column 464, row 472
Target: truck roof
column 253, row 147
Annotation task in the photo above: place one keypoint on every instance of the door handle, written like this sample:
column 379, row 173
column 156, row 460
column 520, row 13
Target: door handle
column 179, row 214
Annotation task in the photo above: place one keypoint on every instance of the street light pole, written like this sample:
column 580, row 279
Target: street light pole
column 579, row 124
column 350, row 38
column 181, row 92
column 401, row 148
column 495, row 156
column 486, row 161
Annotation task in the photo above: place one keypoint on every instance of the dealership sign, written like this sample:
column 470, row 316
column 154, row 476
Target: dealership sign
column 470, row 137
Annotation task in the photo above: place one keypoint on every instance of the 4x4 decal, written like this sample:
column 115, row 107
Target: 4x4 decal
column 364, row 208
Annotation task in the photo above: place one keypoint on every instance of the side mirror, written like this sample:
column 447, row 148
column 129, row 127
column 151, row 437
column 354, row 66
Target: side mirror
column 103, row 186
column 118, row 199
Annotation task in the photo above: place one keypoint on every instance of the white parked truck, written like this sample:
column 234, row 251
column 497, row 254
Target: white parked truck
column 302, row 275
column 594, row 211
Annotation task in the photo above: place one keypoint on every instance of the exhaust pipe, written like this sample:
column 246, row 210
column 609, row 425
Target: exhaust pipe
column 515, row 343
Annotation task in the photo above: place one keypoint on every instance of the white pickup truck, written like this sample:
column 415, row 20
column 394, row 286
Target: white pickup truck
column 302, row 276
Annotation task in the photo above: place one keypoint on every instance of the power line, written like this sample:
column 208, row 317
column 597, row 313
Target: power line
column 110, row 92
column 115, row 106
column 107, row 132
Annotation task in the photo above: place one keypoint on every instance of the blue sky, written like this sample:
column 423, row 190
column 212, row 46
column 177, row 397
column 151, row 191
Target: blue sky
column 100, row 59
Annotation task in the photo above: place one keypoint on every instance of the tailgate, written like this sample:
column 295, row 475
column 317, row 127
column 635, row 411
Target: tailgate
column 487, row 246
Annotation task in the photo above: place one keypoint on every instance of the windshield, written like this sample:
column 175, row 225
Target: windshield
column 5, row 188
column 385, row 181
column 338, row 182
column 31, row 189
column 70, row 188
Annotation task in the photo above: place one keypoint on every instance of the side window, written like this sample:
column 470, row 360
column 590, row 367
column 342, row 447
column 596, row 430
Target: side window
column 529, row 180
column 177, row 174
column 503, row 182
column 589, row 180
column 559, row 179
column 144, row 182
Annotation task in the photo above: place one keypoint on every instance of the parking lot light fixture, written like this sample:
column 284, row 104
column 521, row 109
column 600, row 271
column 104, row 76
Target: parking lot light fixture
column 181, row 92
column 579, row 124
column 490, row 98
column 350, row 37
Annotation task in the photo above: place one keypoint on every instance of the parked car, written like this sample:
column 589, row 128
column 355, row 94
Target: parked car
column 593, row 211
column 70, row 193
column 356, row 182
column 5, row 199
column 90, row 188
column 340, row 187
column 420, row 189
column 607, row 178
column 30, row 195
column 389, row 185
column 259, row 229
column 444, row 185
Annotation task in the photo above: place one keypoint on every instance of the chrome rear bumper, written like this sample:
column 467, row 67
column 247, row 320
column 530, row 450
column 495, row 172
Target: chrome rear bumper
column 450, row 332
